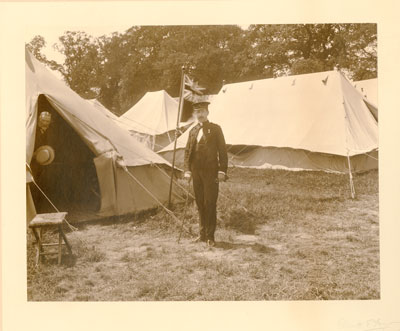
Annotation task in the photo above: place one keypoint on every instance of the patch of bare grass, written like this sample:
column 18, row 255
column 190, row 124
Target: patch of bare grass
column 225, row 268
column 237, row 219
column 262, row 248
column 281, row 236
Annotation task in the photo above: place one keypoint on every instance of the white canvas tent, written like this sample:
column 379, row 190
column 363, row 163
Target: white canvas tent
column 312, row 121
column 153, row 119
column 369, row 89
column 100, row 107
column 95, row 160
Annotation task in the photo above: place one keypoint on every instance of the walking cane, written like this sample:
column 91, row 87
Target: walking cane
column 185, row 210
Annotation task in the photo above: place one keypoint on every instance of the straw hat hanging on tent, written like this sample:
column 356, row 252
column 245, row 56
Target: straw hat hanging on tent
column 44, row 155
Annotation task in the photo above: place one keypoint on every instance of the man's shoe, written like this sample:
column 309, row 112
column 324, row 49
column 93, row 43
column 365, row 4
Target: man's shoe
column 210, row 243
column 199, row 239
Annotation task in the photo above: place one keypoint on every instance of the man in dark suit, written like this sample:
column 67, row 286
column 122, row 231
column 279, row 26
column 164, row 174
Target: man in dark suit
column 206, row 161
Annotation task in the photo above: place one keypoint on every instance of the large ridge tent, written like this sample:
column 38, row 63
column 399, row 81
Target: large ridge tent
column 315, row 121
column 153, row 119
column 97, row 166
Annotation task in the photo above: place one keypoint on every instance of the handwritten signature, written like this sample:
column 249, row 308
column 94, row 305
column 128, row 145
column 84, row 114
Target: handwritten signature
column 371, row 325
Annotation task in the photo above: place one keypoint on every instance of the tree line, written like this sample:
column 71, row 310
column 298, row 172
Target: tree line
column 119, row 69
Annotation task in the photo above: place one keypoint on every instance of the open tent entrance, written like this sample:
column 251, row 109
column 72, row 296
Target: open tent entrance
column 70, row 181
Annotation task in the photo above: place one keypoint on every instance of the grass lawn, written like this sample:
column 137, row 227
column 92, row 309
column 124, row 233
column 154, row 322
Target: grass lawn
column 280, row 236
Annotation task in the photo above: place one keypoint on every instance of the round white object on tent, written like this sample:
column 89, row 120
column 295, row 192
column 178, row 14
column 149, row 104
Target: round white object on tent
column 45, row 155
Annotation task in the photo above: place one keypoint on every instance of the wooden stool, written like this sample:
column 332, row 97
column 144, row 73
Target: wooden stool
column 41, row 221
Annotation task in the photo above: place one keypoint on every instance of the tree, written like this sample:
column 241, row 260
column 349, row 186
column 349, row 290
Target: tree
column 359, row 52
column 81, row 68
column 306, row 48
column 150, row 58
column 119, row 69
column 35, row 46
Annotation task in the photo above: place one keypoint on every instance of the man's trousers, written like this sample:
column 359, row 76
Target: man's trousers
column 205, row 185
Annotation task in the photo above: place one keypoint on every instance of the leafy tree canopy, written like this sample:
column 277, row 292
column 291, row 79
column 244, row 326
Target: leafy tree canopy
column 119, row 69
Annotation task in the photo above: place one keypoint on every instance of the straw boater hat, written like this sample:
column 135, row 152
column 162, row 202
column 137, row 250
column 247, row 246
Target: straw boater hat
column 44, row 155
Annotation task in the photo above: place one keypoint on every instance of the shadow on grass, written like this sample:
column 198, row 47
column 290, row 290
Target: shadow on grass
column 239, row 220
column 67, row 260
column 255, row 247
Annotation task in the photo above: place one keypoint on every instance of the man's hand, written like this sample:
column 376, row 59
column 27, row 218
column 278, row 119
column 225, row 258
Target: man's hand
column 187, row 175
column 221, row 176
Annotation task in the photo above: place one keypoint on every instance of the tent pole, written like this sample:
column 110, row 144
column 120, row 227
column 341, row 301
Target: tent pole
column 176, row 133
column 353, row 191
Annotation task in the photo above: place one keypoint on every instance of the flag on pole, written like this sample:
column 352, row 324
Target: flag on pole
column 191, row 93
column 192, row 89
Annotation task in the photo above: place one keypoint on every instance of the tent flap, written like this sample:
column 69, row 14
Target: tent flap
column 105, row 168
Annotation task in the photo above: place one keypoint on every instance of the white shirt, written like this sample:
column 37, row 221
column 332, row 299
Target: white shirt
column 200, row 133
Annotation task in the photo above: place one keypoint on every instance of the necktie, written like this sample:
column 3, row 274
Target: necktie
column 200, row 134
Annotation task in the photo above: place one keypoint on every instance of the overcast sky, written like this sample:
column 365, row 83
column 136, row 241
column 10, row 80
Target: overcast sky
column 51, row 35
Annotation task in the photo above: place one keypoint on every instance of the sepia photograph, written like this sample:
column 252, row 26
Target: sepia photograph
column 202, row 158
column 269, row 133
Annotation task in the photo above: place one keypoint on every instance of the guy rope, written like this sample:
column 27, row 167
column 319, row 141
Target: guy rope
column 48, row 199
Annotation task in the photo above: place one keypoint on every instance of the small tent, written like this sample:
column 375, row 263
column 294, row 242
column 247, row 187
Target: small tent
column 315, row 121
column 153, row 119
column 98, row 166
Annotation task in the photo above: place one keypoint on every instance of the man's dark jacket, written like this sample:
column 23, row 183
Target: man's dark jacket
column 213, row 146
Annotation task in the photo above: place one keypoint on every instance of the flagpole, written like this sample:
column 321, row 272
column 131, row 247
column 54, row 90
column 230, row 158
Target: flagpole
column 176, row 132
